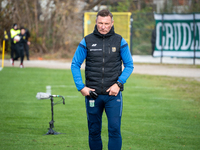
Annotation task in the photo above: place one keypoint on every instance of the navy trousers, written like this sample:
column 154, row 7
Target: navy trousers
column 113, row 109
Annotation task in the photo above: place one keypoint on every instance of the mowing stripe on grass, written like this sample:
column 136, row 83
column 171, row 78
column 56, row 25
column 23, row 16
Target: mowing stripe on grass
column 142, row 87
column 172, row 99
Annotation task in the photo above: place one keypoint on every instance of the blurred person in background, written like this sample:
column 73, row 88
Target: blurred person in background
column 26, row 45
column 13, row 32
column 20, row 42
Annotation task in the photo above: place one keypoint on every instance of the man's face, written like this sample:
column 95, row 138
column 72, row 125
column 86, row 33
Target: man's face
column 104, row 24
column 22, row 31
column 15, row 27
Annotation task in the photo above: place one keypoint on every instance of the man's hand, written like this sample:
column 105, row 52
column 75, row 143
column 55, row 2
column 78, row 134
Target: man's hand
column 85, row 91
column 113, row 90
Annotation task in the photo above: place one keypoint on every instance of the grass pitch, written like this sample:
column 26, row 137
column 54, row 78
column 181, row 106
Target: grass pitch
column 159, row 112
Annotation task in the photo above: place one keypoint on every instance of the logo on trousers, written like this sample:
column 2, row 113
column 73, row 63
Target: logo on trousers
column 118, row 100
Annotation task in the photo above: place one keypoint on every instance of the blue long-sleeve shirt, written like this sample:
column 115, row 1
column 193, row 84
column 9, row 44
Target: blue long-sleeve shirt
column 81, row 54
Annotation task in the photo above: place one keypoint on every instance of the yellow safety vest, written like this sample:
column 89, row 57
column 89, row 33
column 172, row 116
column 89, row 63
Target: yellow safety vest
column 13, row 33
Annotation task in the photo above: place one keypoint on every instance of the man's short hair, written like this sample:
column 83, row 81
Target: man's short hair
column 15, row 24
column 104, row 13
column 22, row 28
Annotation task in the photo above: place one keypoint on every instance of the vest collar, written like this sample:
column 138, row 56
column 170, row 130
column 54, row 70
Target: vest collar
column 111, row 32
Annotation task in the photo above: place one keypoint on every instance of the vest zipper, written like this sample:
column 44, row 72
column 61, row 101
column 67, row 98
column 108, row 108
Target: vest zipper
column 102, row 81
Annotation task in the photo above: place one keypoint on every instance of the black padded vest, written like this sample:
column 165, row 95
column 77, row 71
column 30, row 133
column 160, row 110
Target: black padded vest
column 103, row 61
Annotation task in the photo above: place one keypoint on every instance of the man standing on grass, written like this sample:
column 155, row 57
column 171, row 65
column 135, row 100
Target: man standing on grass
column 104, row 51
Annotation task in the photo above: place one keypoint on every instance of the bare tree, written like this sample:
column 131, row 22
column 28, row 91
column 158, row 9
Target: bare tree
column 55, row 27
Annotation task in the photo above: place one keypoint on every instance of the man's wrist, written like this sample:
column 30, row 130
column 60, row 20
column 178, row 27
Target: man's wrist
column 81, row 87
column 119, row 84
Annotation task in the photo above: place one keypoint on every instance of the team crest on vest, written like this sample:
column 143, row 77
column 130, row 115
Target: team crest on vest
column 113, row 49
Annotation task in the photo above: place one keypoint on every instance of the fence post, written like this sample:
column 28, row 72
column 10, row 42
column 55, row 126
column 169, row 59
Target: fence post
column 194, row 38
column 83, row 26
column 131, row 31
column 161, row 41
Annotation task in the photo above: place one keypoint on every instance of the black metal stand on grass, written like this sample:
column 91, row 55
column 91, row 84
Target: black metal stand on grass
column 51, row 123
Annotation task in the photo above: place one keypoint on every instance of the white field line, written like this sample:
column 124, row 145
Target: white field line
column 142, row 87
column 57, row 86
column 70, row 96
